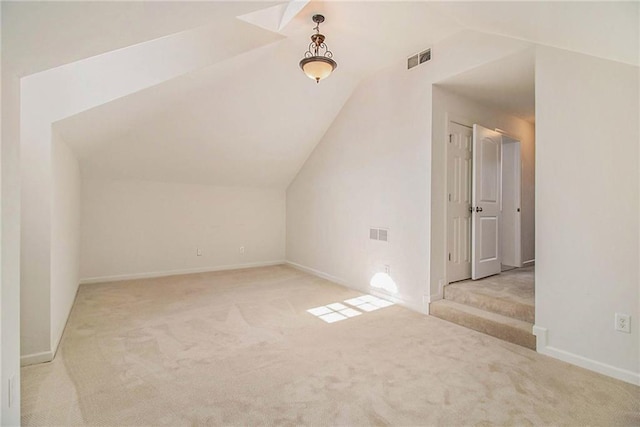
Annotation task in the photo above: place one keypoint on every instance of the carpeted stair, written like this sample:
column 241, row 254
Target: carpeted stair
column 488, row 308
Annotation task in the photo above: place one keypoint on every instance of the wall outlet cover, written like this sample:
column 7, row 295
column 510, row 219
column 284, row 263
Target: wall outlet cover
column 623, row 323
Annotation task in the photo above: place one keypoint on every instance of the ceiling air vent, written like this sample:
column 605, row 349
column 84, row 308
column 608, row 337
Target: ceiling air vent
column 418, row 59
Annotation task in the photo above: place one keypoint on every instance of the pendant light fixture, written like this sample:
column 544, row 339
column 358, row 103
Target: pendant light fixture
column 318, row 61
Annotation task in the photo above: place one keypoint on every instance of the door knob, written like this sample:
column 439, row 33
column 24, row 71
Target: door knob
column 478, row 209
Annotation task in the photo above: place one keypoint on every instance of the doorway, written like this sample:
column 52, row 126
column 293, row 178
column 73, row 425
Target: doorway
column 483, row 203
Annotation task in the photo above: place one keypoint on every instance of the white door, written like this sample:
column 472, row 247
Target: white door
column 459, row 202
column 485, row 202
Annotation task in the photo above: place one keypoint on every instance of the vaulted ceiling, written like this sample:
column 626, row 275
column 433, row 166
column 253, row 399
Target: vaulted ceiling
column 251, row 117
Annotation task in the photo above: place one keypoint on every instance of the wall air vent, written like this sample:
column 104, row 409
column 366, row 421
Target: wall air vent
column 381, row 234
column 412, row 62
column 418, row 59
column 373, row 233
column 425, row 56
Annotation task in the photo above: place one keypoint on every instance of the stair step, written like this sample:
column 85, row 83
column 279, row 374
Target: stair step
column 506, row 328
column 490, row 299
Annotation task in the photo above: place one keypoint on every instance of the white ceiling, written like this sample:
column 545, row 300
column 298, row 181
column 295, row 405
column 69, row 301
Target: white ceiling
column 254, row 118
column 507, row 84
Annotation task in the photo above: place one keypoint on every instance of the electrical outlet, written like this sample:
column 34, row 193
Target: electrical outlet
column 198, row 252
column 387, row 269
column 241, row 250
column 623, row 323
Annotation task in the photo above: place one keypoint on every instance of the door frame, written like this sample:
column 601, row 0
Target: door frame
column 463, row 121
column 510, row 139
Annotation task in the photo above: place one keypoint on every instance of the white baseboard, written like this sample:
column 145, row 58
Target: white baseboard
column 396, row 299
column 529, row 263
column 320, row 274
column 117, row 278
column 35, row 358
column 583, row 362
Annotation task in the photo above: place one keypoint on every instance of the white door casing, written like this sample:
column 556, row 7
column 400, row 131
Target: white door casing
column 510, row 221
column 459, row 147
column 485, row 201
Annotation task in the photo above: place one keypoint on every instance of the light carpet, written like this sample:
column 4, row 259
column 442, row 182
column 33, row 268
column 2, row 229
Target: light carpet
column 240, row 348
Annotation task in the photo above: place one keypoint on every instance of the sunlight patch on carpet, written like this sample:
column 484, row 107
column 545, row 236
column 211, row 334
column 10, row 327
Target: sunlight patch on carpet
column 337, row 311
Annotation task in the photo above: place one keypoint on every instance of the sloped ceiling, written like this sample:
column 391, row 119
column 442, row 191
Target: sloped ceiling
column 254, row 118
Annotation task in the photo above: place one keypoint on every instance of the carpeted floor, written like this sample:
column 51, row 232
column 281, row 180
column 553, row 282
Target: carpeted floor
column 516, row 285
column 240, row 348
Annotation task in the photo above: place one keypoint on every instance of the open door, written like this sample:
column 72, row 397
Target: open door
column 485, row 203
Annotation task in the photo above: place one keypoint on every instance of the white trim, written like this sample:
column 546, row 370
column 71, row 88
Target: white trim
column 35, row 358
column 116, row 278
column 56, row 342
column 320, row 274
column 436, row 297
column 541, row 336
column 397, row 299
column 529, row 263
column 581, row 361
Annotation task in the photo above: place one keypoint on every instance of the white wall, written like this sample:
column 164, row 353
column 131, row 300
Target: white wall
column 144, row 228
column 447, row 104
column 10, row 230
column 373, row 168
column 587, row 226
column 369, row 170
column 65, row 236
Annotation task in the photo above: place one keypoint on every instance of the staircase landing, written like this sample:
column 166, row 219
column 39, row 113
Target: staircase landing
column 502, row 306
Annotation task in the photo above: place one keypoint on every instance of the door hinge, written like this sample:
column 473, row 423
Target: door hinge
column 449, row 256
column 449, row 196
column 450, row 136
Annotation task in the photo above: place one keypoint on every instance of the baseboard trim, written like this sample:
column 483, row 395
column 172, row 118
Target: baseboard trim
column 529, row 263
column 55, row 344
column 396, row 299
column 35, row 358
column 150, row 275
column 321, row 274
column 581, row 361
